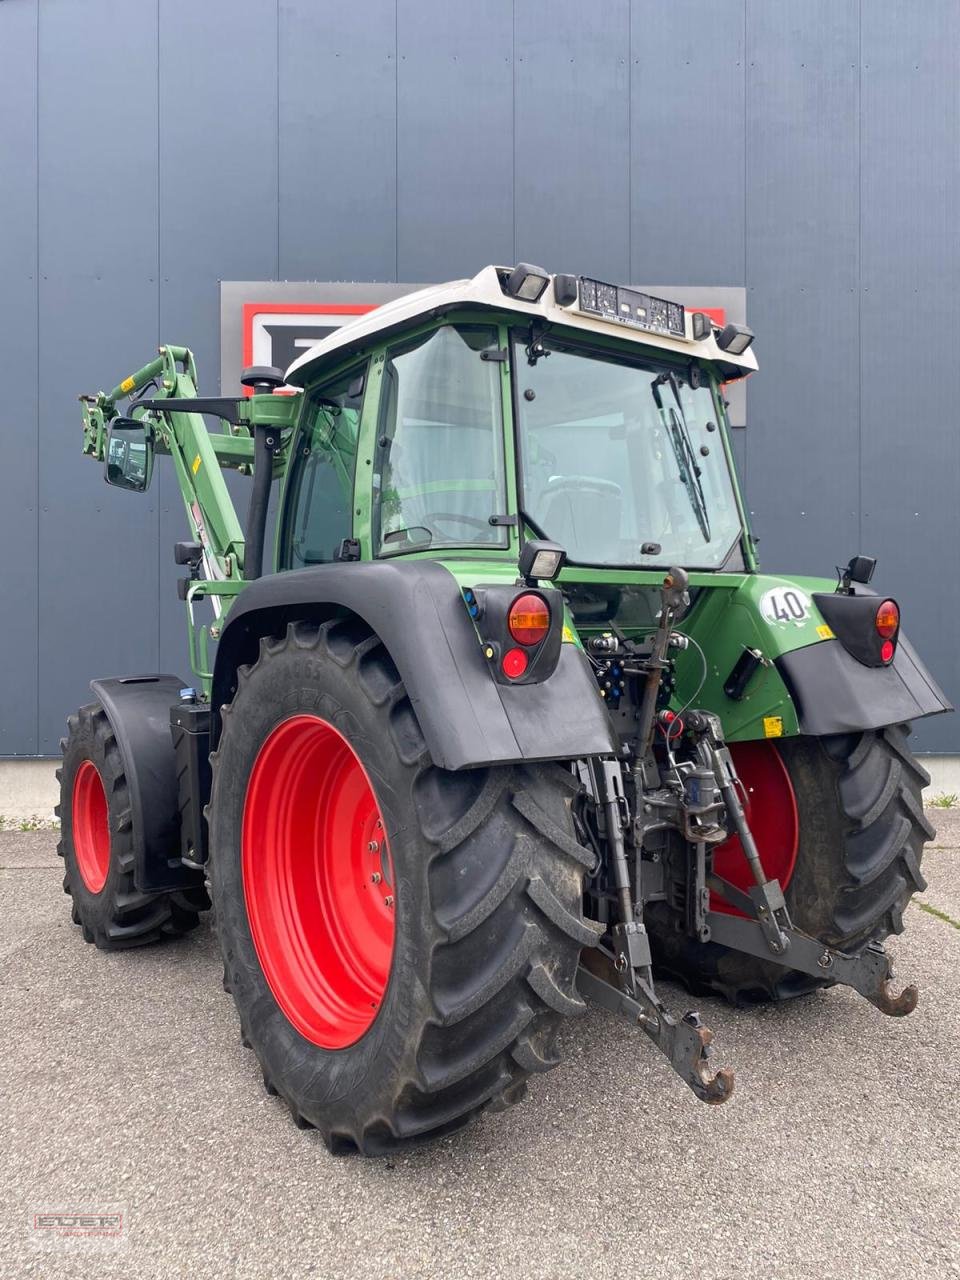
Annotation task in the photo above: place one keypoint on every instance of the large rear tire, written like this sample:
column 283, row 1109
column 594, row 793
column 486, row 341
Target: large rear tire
column 861, row 832
column 97, row 846
column 379, row 1022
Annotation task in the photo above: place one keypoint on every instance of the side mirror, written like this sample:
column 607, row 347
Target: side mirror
column 129, row 463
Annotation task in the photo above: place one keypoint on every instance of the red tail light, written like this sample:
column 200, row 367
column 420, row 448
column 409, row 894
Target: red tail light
column 529, row 619
column 887, row 621
column 887, row 650
column 514, row 663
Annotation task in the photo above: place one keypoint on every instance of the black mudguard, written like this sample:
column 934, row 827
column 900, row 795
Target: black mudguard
column 416, row 609
column 138, row 708
column 835, row 693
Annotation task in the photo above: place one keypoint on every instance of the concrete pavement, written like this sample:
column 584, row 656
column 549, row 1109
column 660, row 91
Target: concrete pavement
column 124, row 1086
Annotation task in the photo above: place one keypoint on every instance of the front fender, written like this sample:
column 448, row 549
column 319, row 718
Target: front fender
column 138, row 708
column 417, row 610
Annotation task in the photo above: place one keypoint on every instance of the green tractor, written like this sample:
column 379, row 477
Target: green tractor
column 514, row 722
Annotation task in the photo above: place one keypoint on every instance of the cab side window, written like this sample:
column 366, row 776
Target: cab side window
column 319, row 509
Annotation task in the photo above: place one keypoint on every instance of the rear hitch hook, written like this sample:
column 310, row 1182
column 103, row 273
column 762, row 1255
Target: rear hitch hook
column 896, row 1006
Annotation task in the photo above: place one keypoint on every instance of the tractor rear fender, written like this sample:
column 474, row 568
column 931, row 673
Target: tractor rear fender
column 835, row 693
column 417, row 610
column 138, row 708
column 808, row 679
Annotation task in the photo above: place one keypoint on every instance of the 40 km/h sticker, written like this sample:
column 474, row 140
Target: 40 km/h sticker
column 785, row 605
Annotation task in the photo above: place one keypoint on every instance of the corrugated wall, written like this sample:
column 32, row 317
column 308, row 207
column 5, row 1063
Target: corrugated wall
column 809, row 151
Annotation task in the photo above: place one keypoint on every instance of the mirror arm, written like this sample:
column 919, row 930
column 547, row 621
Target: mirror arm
column 225, row 407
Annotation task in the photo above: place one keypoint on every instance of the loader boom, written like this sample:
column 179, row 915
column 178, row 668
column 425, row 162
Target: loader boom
column 200, row 456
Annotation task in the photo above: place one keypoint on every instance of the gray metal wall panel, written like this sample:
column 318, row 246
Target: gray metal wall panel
column 910, row 152
column 910, row 452
column 802, row 262
column 18, row 376
column 809, row 151
column 802, row 158
column 801, row 439
column 338, row 141
column 454, row 129
column 218, row 209
column 572, row 141
column 98, row 319
column 687, row 141
column 911, row 515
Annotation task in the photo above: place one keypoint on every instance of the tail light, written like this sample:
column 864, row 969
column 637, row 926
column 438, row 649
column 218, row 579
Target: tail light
column 514, row 663
column 887, row 623
column 520, row 631
column 529, row 619
column 867, row 626
column 887, row 620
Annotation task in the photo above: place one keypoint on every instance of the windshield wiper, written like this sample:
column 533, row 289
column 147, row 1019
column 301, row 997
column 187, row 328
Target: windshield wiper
column 683, row 451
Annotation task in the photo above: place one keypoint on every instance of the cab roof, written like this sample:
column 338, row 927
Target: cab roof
column 486, row 292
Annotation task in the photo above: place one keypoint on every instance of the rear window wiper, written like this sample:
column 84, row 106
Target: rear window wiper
column 683, row 451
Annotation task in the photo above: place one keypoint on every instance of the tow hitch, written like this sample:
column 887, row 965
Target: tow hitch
column 697, row 797
column 623, row 982
column 687, row 1043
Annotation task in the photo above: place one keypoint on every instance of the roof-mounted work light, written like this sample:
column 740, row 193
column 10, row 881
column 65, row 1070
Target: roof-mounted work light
column 564, row 290
column 701, row 325
column 526, row 282
column 860, row 569
column 541, row 561
column 734, row 338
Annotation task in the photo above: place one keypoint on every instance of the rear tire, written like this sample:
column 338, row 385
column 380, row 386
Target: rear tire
column 487, row 877
column 97, row 846
column 862, row 831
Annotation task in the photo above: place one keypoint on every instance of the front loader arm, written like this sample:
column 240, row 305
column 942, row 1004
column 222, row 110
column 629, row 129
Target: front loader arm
column 197, row 459
column 200, row 456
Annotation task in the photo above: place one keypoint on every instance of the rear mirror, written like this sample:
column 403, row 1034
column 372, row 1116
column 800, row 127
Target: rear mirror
column 129, row 463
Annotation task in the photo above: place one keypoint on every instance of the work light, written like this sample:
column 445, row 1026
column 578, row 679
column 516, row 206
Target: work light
column 734, row 338
column 702, row 324
column 527, row 283
column 541, row 560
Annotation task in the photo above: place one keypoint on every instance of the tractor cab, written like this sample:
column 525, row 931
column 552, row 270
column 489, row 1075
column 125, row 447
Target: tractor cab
column 479, row 423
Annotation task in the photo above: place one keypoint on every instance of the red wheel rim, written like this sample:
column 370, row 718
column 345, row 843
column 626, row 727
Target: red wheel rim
column 91, row 827
column 771, row 809
column 318, row 881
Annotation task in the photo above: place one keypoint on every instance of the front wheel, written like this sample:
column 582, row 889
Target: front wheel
column 839, row 820
column 401, row 942
column 97, row 845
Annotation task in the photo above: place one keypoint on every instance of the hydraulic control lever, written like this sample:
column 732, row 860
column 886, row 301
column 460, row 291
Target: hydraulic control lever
column 674, row 602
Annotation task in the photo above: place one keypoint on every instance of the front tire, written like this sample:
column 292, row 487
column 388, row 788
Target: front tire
column 861, row 827
column 458, row 996
column 97, row 846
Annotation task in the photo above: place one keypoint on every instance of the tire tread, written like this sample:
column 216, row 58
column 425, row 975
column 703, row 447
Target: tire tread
column 492, row 1023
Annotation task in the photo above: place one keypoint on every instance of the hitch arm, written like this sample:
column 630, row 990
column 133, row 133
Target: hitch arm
column 686, row 1042
column 869, row 973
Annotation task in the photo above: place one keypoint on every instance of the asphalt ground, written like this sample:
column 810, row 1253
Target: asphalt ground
column 124, row 1087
